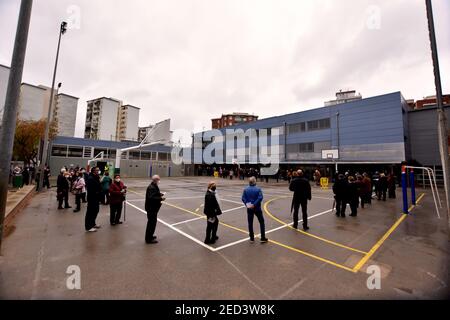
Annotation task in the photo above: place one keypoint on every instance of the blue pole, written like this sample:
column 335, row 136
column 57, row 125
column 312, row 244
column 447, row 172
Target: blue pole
column 405, row 192
column 413, row 188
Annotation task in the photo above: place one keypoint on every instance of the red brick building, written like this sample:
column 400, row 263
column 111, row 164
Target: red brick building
column 431, row 101
column 231, row 119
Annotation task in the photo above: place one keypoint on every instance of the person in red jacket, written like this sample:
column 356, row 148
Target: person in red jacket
column 117, row 192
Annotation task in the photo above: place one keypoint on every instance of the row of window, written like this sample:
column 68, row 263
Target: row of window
column 86, row 152
column 300, row 147
column 309, row 126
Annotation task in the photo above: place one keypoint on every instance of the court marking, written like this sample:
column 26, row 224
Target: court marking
column 269, row 231
column 204, row 217
column 266, row 204
column 175, row 229
column 353, row 270
column 380, row 242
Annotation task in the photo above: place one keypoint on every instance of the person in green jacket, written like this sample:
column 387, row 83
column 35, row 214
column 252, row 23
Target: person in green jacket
column 106, row 183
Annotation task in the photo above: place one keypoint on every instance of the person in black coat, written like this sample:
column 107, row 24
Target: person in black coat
column 153, row 199
column 94, row 190
column 353, row 195
column 62, row 190
column 340, row 190
column 211, row 210
column 302, row 193
column 382, row 187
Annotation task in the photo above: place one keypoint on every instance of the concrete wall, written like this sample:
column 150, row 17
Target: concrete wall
column 31, row 102
column 4, row 77
column 132, row 123
column 67, row 114
column 108, row 119
column 423, row 135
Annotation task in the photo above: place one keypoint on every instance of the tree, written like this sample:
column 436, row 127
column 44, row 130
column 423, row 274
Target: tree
column 28, row 137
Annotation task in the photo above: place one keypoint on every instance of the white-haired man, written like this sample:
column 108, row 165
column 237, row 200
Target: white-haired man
column 153, row 199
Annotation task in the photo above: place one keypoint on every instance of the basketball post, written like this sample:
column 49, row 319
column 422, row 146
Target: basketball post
column 412, row 185
column 404, row 191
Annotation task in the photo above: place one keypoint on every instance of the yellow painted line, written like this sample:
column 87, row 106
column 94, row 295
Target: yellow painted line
column 196, row 214
column 312, row 256
column 307, row 233
column 384, row 237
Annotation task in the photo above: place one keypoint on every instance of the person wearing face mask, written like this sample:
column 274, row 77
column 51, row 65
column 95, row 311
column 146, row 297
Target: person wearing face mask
column 94, row 191
column 117, row 192
column 153, row 199
column 212, row 210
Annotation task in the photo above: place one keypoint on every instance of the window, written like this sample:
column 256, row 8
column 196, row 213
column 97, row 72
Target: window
column 300, row 148
column 98, row 150
column 306, row 147
column 59, row 151
column 146, row 155
column 313, row 125
column 296, row 127
column 319, row 124
column 136, row 155
column 75, row 152
column 162, row 156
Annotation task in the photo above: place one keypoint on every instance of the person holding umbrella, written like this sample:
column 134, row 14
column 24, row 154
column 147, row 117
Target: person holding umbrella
column 117, row 192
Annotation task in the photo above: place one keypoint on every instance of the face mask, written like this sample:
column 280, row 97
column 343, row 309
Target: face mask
column 213, row 188
column 117, row 180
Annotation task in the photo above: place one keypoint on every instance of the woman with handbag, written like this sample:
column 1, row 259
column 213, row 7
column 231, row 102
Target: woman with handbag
column 212, row 210
column 79, row 188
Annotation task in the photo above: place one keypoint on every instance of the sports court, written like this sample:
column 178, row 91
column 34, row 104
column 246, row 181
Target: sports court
column 327, row 262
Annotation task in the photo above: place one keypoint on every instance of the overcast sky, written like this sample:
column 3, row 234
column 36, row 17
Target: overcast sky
column 193, row 60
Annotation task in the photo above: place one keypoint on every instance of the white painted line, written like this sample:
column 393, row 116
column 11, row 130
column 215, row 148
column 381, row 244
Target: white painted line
column 232, row 201
column 186, row 221
column 135, row 200
column 198, row 218
column 177, row 230
column 270, row 231
column 228, row 210
column 181, row 198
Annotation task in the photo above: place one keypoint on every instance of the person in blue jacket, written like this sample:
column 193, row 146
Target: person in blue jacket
column 252, row 198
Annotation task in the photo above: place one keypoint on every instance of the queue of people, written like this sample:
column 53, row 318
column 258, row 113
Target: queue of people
column 359, row 191
column 355, row 191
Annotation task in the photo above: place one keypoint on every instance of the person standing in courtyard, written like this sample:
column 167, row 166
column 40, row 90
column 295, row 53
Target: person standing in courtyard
column 391, row 185
column 94, row 190
column 302, row 193
column 352, row 195
column 211, row 210
column 106, row 183
column 79, row 187
column 340, row 190
column 252, row 198
column 382, row 187
column 62, row 190
column 117, row 192
column 153, row 202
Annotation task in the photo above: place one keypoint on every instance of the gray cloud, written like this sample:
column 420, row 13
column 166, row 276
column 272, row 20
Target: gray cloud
column 192, row 60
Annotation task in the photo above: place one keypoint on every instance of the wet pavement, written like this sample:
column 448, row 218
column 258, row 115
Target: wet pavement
column 327, row 262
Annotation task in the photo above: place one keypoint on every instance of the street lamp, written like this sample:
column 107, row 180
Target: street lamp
column 44, row 154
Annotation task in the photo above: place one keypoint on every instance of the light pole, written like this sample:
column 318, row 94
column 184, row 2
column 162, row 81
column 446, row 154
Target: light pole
column 442, row 125
column 8, row 127
column 44, row 154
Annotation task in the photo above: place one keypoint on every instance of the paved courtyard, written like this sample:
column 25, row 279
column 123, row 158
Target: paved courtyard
column 329, row 261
